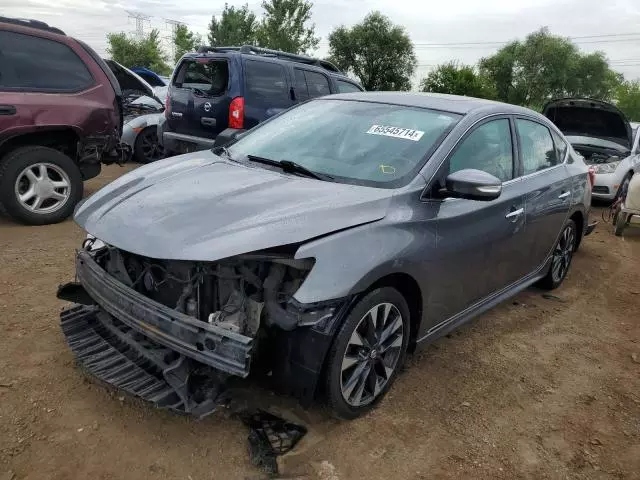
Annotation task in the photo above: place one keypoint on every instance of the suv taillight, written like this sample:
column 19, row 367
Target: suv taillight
column 592, row 176
column 236, row 113
column 167, row 107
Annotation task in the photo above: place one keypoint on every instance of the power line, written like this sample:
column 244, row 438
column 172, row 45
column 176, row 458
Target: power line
column 174, row 24
column 140, row 18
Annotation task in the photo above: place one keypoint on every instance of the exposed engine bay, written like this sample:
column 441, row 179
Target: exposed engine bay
column 596, row 155
column 238, row 294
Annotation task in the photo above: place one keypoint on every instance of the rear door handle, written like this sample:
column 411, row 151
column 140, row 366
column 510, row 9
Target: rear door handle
column 515, row 213
column 564, row 195
column 7, row 110
column 208, row 121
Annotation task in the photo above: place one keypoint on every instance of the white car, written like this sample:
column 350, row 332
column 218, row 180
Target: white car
column 601, row 133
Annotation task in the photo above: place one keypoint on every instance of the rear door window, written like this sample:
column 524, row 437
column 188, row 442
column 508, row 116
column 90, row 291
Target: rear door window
column 347, row 87
column 210, row 78
column 317, row 84
column 266, row 82
column 39, row 64
column 536, row 146
column 561, row 146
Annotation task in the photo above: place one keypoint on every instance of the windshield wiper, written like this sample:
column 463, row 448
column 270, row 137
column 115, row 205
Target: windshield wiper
column 291, row 167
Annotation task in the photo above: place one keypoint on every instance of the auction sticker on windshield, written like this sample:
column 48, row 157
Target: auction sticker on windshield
column 396, row 132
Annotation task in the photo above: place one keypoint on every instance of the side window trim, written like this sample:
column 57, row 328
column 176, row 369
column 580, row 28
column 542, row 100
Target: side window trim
column 537, row 121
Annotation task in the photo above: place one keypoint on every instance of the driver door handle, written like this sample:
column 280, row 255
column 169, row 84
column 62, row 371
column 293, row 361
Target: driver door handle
column 515, row 213
column 564, row 195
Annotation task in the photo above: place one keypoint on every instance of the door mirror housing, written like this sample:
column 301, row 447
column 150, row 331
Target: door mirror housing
column 472, row 184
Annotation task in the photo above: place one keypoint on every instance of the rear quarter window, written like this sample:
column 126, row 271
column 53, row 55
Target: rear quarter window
column 211, row 77
column 317, row 83
column 266, row 82
column 39, row 64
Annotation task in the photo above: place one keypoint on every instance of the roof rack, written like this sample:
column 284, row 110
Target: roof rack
column 267, row 52
column 26, row 22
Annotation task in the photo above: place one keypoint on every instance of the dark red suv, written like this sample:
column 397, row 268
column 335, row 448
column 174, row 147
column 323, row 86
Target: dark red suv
column 60, row 118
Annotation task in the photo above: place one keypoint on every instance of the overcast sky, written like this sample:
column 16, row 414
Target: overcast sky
column 441, row 30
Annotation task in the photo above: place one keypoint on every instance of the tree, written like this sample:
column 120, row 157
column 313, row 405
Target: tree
column 284, row 26
column 142, row 52
column 628, row 99
column 376, row 51
column 456, row 80
column 236, row 26
column 185, row 41
column 547, row 66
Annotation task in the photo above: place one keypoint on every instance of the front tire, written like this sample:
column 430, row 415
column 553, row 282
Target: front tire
column 561, row 257
column 367, row 353
column 39, row 185
column 146, row 148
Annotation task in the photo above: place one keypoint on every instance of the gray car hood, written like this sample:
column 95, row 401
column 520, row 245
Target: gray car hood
column 201, row 207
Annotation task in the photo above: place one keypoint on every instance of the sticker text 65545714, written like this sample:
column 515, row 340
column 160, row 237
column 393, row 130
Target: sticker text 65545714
column 396, row 132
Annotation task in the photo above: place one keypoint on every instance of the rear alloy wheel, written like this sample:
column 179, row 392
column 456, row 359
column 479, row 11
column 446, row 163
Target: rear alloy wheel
column 39, row 185
column 561, row 257
column 368, row 352
column 147, row 149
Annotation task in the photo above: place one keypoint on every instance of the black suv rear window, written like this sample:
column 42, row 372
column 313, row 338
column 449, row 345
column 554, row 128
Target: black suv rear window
column 266, row 81
column 38, row 64
column 208, row 76
column 347, row 87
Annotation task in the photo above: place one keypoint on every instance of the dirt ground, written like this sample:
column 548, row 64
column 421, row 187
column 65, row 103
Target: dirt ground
column 537, row 388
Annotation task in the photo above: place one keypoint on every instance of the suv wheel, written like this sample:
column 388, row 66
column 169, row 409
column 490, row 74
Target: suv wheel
column 367, row 353
column 146, row 148
column 39, row 185
column 561, row 257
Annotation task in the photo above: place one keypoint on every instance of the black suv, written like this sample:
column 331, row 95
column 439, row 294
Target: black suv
column 217, row 93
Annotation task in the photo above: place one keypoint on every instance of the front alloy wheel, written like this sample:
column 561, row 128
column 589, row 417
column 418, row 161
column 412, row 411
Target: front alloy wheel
column 372, row 354
column 367, row 352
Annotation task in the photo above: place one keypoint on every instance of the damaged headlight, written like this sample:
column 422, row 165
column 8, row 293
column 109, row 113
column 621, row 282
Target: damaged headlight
column 606, row 167
column 91, row 243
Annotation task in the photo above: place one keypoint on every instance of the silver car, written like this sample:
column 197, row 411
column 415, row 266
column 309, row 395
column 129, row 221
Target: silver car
column 322, row 246
column 601, row 133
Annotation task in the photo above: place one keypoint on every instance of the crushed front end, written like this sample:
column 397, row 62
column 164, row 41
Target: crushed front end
column 181, row 333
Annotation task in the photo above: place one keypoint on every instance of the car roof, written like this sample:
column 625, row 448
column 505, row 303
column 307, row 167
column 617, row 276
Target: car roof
column 255, row 53
column 435, row 101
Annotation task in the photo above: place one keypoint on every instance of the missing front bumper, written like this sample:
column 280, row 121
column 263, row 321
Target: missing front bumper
column 221, row 349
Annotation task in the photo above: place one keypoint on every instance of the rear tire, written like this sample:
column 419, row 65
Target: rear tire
column 561, row 257
column 367, row 353
column 39, row 185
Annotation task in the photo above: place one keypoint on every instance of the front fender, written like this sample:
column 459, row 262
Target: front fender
column 351, row 261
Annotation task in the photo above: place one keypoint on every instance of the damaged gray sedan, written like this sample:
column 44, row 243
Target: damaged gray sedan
column 320, row 247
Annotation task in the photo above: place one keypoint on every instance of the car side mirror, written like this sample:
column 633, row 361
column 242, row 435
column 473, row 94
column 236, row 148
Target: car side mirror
column 473, row 185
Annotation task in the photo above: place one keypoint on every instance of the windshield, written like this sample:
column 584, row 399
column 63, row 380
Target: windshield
column 355, row 142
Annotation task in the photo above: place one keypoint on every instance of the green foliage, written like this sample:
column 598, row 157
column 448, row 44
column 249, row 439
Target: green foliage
column 376, row 51
column 285, row 26
column 628, row 99
column 456, row 79
column 185, row 41
column 236, row 27
column 143, row 52
column 544, row 67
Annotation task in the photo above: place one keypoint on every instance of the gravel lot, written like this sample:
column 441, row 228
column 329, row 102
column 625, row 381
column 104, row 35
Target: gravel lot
column 537, row 388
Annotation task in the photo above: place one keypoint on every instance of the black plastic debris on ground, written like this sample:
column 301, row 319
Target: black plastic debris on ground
column 270, row 436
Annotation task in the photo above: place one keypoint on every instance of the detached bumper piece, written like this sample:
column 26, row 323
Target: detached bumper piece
column 118, row 356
